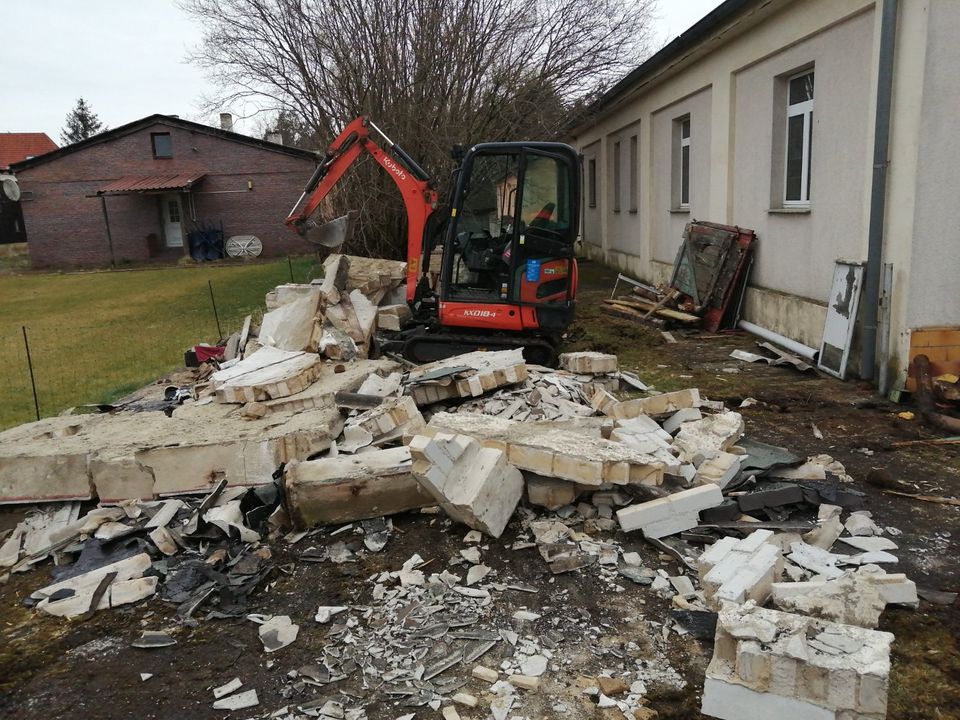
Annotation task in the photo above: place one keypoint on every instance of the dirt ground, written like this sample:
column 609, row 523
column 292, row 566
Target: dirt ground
column 53, row 668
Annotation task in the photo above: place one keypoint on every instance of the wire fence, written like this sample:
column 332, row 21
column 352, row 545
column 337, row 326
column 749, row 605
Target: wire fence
column 77, row 357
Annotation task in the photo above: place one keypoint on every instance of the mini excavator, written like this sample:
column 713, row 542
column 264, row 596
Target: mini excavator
column 507, row 276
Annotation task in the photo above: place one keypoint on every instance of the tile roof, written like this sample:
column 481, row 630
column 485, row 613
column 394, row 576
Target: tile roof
column 150, row 183
column 15, row 147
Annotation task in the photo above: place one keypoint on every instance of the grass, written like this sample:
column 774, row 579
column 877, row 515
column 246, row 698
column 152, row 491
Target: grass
column 96, row 336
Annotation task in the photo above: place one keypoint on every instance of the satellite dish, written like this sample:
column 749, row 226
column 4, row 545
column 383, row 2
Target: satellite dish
column 244, row 246
column 9, row 188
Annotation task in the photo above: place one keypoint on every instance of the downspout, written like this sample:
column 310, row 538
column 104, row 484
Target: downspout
column 878, row 193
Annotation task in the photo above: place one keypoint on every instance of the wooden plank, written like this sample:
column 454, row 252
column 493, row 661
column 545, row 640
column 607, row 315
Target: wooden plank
column 646, row 305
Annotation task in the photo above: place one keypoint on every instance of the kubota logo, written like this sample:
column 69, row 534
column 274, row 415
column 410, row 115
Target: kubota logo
column 479, row 313
column 394, row 168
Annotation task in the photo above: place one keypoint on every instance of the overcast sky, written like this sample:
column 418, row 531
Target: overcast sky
column 128, row 60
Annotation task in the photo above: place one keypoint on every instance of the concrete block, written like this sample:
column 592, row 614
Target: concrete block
column 352, row 487
column 712, row 434
column 730, row 701
column 393, row 317
column 673, row 511
column 602, row 401
column 478, row 488
column 719, row 470
column 672, row 424
column 740, row 570
column 550, row 493
column 588, row 363
column 770, row 495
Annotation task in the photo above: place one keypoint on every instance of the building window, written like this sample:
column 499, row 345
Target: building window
column 799, row 139
column 616, row 177
column 162, row 145
column 634, row 170
column 683, row 163
column 592, row 182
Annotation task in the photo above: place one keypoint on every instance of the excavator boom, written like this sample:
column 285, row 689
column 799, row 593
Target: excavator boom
column 419, row 196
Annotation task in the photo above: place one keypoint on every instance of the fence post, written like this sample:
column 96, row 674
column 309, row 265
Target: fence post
column 33, row 382
column 215, row 315
column 290, row 265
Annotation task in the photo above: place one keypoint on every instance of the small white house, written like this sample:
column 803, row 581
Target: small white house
column 769, row 114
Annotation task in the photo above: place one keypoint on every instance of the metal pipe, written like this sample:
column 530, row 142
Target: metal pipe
column 878, row 193
column 786, row 343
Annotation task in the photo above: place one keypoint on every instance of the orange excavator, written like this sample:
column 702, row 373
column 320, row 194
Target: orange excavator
column 507, row 276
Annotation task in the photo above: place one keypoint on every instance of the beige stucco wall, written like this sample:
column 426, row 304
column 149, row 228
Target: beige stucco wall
column 666, row 221
column 936, row 226
column 796, row 251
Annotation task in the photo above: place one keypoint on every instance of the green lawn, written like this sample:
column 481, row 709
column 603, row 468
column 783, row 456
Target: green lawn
column 96, row 336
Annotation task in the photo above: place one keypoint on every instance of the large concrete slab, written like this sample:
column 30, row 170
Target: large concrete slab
column 555, row 450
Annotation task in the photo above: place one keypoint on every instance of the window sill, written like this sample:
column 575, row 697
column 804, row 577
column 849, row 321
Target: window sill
column 790, row 211
column 680, row 211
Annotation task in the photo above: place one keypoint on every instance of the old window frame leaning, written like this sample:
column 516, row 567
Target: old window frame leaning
column 683, row 162
column 799, row 109
column 153, row 145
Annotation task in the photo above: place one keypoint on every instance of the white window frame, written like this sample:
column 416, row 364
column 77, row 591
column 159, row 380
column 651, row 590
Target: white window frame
column 684, row 204
column 805, row 109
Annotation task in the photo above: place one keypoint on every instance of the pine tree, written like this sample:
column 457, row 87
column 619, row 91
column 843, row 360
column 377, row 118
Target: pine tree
column 81, row 124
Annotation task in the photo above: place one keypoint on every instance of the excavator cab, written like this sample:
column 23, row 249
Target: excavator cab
column 508, row 254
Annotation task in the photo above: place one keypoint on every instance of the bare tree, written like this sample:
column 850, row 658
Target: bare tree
column 432, row 73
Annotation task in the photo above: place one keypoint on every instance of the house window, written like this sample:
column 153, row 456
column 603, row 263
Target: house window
column 683, row 163
column 634, row 169
column 799, row 139
column 162, row 145
column 592, row 182
column 616, row 177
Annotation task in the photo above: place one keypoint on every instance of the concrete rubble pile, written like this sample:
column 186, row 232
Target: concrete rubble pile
column 302, row 430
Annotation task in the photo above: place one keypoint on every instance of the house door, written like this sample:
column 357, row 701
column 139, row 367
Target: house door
column 172, row 227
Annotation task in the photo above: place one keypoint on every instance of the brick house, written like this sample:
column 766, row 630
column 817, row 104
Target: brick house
column 141, row 192
column 15, row 147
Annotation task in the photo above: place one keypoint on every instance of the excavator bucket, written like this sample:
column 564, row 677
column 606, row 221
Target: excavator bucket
column 331, row 234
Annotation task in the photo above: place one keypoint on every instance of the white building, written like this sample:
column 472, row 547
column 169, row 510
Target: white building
column 765, row 115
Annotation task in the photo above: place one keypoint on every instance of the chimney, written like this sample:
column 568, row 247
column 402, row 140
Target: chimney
column 275, row 137
column 226, row 122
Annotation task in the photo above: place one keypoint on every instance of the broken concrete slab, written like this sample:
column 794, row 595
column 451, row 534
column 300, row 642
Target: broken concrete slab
column 657, row 405
column 856, row 598
column 673, row 423
column 474, row 485
column 390, row 420
column 189, row 452
column 332, row 378
column 734, row 570
column 554, row 450
column 268, row 373
column 294, row 325
column 671, row 514
column 719, row 469
column 336, row 276
column 352, row 487
column 245, row 699
column 797, row 667
column 466, row 376
column 277, row 632
column 76, row 596
column 588, row 363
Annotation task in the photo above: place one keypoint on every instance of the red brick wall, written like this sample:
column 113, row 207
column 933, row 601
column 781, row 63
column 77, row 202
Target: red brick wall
column 66, row 228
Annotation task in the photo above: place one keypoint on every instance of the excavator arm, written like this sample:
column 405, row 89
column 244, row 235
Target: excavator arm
column 415, row 185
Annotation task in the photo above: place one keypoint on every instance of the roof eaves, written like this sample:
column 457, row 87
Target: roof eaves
column 157, row 118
